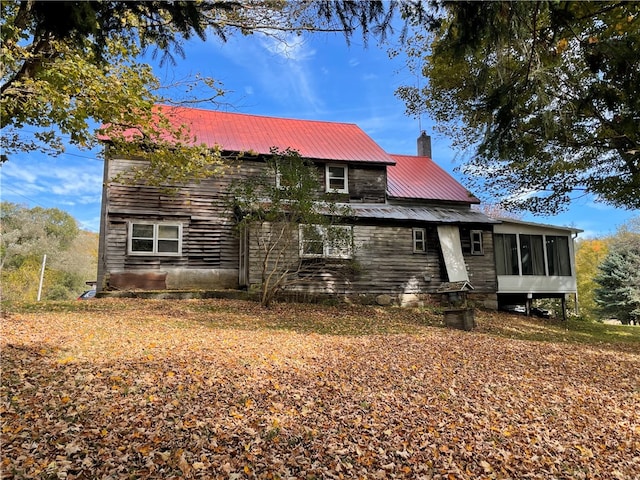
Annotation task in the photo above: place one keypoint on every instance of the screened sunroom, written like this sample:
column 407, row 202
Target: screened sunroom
column 534, row 261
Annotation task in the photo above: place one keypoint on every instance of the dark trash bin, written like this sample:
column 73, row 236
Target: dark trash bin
column 460, row 318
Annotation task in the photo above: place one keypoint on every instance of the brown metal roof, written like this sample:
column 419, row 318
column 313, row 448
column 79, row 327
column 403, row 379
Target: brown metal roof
column 421, row 178
column 236, row 132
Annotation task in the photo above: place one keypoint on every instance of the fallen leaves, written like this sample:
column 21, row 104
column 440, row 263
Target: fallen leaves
column 133, row 393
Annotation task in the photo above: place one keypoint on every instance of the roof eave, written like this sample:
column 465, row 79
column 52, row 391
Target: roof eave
column 471, row 201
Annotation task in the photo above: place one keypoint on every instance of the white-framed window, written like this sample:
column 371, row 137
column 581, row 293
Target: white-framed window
column 284, row 183
column 337, row 178
column 477, row 247
column 320, row 241
column 146, row 238
column 419, row 240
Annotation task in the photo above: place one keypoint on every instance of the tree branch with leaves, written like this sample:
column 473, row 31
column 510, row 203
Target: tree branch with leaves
column 66, row 68
column 544, row 95
column 278, row 210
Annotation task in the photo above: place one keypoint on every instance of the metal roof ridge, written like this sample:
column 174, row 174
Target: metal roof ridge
column 255, row 115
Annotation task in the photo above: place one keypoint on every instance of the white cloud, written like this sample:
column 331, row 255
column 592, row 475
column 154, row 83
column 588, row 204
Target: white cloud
column 61, row 183
column 281, row 68
column 74, row 181
column 599, row 206
column 91, row 223
column 13, row 171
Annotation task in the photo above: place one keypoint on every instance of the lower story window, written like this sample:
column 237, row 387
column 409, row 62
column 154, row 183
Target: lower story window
column 523, row 254
column 558, row 260
column 155, row 238
column 506, row 246
column 320, row 241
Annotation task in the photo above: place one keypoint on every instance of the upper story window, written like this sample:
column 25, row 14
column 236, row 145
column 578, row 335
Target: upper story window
column 319, row 241
column 419, row 240
column 155, row 238
column 337, row 178
column 477, row 247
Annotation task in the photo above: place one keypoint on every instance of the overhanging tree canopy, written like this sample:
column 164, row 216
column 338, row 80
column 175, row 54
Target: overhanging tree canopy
column 547, row 94
column 66, row 67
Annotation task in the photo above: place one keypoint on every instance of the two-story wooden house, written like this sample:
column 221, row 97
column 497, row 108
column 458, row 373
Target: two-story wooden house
column 412, row 223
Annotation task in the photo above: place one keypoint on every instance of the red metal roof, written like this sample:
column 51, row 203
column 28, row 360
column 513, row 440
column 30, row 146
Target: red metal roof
column 312, row 139
column 408, row 177
column 420, row 178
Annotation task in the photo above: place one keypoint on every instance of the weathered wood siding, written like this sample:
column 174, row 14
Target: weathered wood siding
column 481, row 268
column 284, row 255
column 367, row 184
column 383, row 259
column 383, row 263
column 209, row 239
column 387, row 263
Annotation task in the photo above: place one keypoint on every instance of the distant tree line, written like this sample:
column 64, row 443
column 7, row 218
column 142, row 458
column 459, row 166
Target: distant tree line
column 608, row 275
column 27, row 234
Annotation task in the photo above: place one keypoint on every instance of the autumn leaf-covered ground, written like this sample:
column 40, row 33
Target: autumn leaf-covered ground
column 224, row 389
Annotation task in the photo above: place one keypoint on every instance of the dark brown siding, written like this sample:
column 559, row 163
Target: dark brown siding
column 481, row 268
column 367, row 184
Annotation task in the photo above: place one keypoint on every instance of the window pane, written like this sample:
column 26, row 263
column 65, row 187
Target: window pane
column 476, row 243
column 168, row 246
column 532, row 254
column 506, row 254
column 558, row 255
column 141, row 245
column 168, row 231
column 336, row 183
column 311, row 240
column 419, row 240
column 336, row 172
column 338, row 240
column 141, row 230
column 312, row 248
column 337, row 176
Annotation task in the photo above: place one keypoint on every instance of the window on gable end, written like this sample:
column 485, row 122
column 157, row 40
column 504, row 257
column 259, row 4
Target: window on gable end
column 284, row 182
column 337, row 178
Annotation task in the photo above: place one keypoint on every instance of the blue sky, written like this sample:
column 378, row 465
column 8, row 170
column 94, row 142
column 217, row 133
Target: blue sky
column 316, row 78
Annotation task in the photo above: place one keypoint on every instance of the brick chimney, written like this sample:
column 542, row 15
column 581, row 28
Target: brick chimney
column 424, row 145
